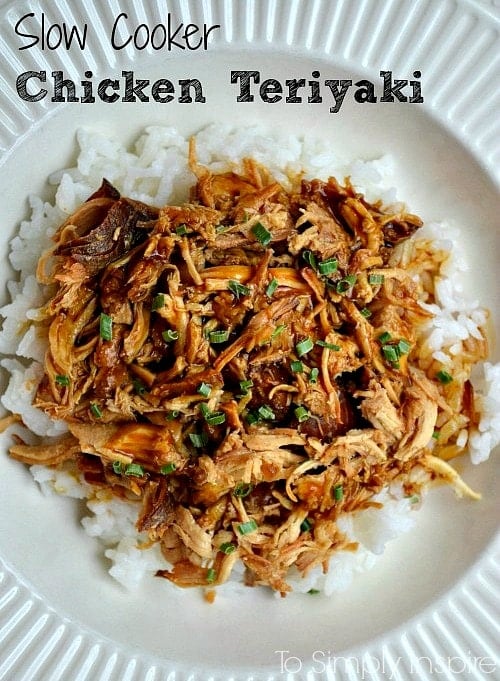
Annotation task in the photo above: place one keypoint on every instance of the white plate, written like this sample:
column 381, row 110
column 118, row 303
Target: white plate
column 430, row 609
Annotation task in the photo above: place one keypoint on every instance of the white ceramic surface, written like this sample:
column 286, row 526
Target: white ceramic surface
column 430, row 608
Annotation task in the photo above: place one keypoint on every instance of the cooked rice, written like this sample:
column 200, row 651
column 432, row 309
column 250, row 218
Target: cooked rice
column 156, row 172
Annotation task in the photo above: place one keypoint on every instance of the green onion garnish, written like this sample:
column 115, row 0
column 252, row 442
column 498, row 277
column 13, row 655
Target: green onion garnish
column 227, row 547
column 158, row 302
column 181, row 230
column 384, row 337
column 375, row 279
column 204, row 389
column 215, row 418
column 436, row 435
column 338, row 492
column 310, row 259
column 271, row 287
column 134, row 469
column 168, row 468
column 346, row 283
column 313, row 592
column 302, row 414
column 328, row 346
column 238, row 289
column 62, row 380
column 390, row 353
column 296, row 366
column 404, row 347
column 365, row 312
column 261, row 234
column 304, row 346
column 204, row 409
column 242, row 489
column 252, row 418
column 219, row 336
column 105, row 327
column 305, row 525
column 172, row 414
column 313, row 376
column 266, row 413
column 139, row 386
column 278, row 330
column 248, row 527
column 117, row 467
column 211, row 575
column 444, row 377
column 328, row 266
column 170, row 335
column 198, row 439
column 245, row 386
column 95, row 410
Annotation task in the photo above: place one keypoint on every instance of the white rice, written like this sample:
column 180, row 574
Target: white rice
column 156, row 172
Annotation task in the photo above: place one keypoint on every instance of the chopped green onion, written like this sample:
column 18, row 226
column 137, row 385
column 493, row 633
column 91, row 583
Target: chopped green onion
column 242, row 489
column 393, row 351
column 219, row 336
column 252, row 418
column 181, row 230
column 375, row 279
column 338, row 492
column 296, row 366
column 95, row 410
column 390, row 353
column 328, row 266
column 346, row 283
column 215, row 418
column 198, row 439
column 245, row 386
column 168, row 468
column 302, row 414
column 414, row 499
column 158, row 302
column 172, row 414
column 118, row 467
column 444, row 377
column 271, row 287
column 436, row 434
column 305, row 525
column 313, row 592
column 170, row 335
column 266, row 413
column 404, row 347
column 365, row 312
column 304, row 346
column 248, row 527
column 384, row 337
column 227, row 547
column 313, row 376
column 204, row 389
column 261, row 234
column 105, row 327
column 328, row 346
column 238, row 289
column 278, row 330
column 310, row 259
column 62, row 380
column 204, row 409
column 139, row 386
column 134, row 469
column 211, row 575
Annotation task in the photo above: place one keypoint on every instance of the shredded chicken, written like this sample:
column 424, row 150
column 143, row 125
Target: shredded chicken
column 246, row 365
